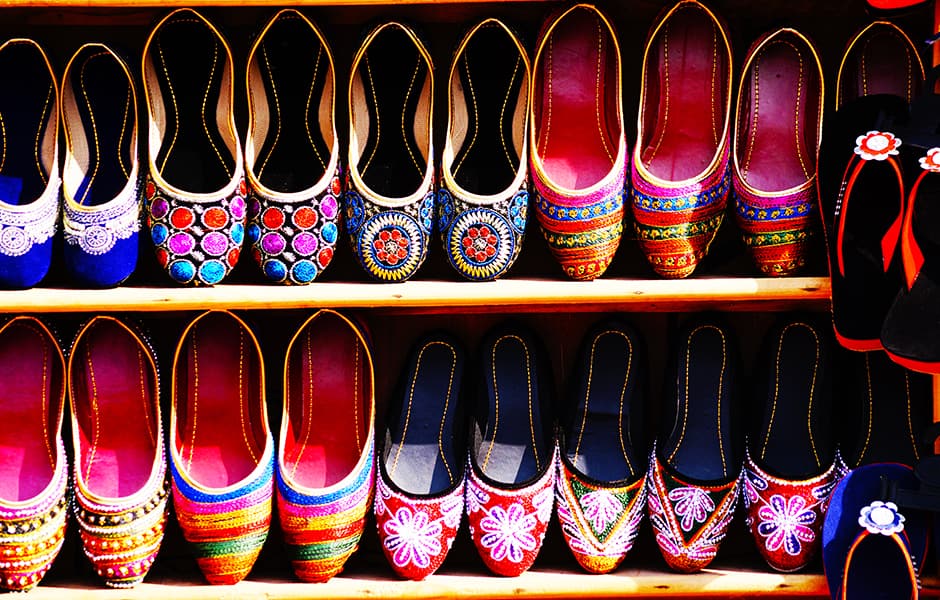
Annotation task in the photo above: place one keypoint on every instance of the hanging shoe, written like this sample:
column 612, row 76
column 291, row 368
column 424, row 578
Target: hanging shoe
column 292, row 151
column 121, row 488
column 578, row 146
column 195, row 184
column 325, row 467
column 484, row 195
column 390, row 205
column 34, row 477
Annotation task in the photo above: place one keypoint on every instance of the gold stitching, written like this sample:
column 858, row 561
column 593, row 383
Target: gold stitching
column 205, row 99
column 597, row 92
column 864, row 451
column 94, row 127
column 176, row 112
column 42, row 119
column 277, row 109
column 548, row 121
column 910, row 425
column 313, row 81
column 476, row 116
column 378, row 120
column 94, row 411
column 242, row 405
column 356, row 417
column 305, row 416
column 664, row 93
column 192, row 435
column 404, row 105
column 502, row 113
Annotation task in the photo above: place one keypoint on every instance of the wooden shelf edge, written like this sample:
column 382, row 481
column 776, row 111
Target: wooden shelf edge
column 207, row 3
column 519, row 295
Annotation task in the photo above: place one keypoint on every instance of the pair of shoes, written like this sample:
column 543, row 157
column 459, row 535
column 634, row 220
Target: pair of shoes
column 120, row 482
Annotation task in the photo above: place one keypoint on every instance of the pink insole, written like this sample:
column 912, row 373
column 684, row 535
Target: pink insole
column 884, row 65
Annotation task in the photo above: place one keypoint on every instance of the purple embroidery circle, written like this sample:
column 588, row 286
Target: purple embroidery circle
column 329, row 207
column 237, row 208
column 181, row 243
column 305, row 244
column 273, row 243
column 158, row 208
column 215, row 243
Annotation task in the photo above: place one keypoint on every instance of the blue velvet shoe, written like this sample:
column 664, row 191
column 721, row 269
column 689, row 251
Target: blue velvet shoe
column 100, row 175
column 29, row 170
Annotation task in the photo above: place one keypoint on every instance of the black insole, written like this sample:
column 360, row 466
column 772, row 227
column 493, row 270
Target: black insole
column 393, row 73
column 189, row 59
column 877, row 570
column 491, row 72
column 103, row 95
column 25, row 110
column 294, row 69
column 421, row 456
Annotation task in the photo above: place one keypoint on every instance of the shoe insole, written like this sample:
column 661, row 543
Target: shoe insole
column 421, row 457
column 294, row 69
column 105, row 113
column 327, row 398
column 690, row 77
column 113, row 397
column 221, row 434
column 190, row 60
column 393, row 73
column 491, row 73
column 24, row 115
column 578, row 129
column 514, row 448
column 881, row 63
column 781, row 119
column 29, row 399
column 878, row 570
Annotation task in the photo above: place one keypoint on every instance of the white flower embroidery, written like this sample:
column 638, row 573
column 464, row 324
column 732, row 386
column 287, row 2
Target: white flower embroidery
column 692, row 504
column 601, row 508
column 881, row 517
column 412, row 538
column 876, row 145
column 508, row 532
column 543, row 502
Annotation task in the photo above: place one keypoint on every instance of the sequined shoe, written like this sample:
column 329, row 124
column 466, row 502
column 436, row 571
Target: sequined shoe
column 100, row 180
column 33, row 466
column 29, row 175
column 120, row 466
column 390, row 204
column 221, row 449
column 511, row 479
column 195, row 187
column 578, row 148
column 422, row 461
column 325, row 467
column 680, row 173
column 601, row 481
column 779, row 116
column 484, row 197
column 291, row 151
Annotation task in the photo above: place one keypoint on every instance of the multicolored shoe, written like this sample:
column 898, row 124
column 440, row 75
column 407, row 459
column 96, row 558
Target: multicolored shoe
column 29, row 174
column 195, row 184
column 578, row 146
column 681, row 174
column 292, row 151
column 221, row 449
column 325, row 466
column 100, row 176
column 779, row 116
column 34, row 472
column 484, row 196
column 121, row 487
column 390, row 202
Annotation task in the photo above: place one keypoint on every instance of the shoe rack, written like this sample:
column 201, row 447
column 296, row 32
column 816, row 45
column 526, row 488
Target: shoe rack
column 535, row 290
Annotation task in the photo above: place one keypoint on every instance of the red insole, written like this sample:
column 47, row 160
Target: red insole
column 327, row 393
column 29, row 401
column 691, row 104
column 219, row 403
column 775, row 155
column 115, row 409
column 574, row 137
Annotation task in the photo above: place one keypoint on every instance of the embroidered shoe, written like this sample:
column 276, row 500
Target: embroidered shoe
column 29, row 176
column 195, row 186
column 100, row 176
column 390, row 200
column 578, row 146
column 325, row 467
column 484, row 197
column 511, row 480
column 34, row 476
column 291, row 151
column 121, row 489
column 680, row 162
column 695, row 465
column 779, row 115
column 601, row 480
column 422, row 461
column 221, row 449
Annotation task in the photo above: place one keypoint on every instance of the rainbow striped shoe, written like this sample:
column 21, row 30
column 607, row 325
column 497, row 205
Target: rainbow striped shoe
column 34, row 470
column 325, row 468
column 222, row 452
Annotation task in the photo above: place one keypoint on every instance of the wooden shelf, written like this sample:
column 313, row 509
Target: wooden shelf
column 222, row 3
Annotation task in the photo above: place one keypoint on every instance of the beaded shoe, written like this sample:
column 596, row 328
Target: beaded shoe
column 195, row 187
column 291, row 151
column 33, row 466
column 29, row 175
column 390, row 201
column 221, row 449
column 325, row 466
column 120, row 465
column 100, row 176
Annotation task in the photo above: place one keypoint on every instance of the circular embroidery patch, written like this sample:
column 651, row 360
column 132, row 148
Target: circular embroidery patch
column 480, row 243
column 97, row 240
column 391, row 246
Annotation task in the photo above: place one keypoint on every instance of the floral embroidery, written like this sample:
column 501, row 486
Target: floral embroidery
column 543, row 503
column 753, row 485
column 477, row 499
column 931, row 162
column 692, row 504
column 881, row 517
column 601, row 508
column 411, row 538
column 785, row 523
column 479, row 243
column 876, row 145
column 508, row 532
